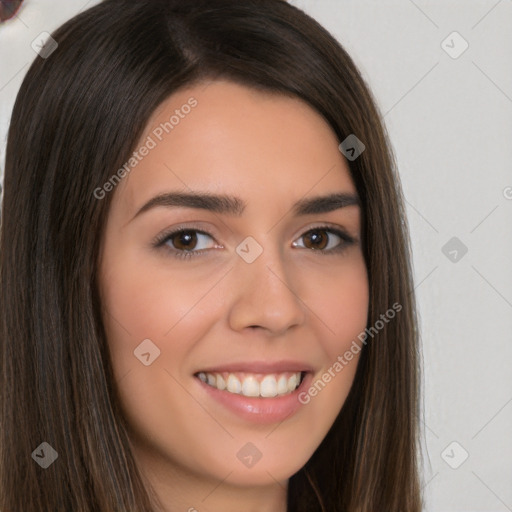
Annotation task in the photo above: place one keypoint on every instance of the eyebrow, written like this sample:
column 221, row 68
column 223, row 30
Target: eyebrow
column 230, row 205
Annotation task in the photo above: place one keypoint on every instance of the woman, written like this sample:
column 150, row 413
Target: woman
column 206, row 283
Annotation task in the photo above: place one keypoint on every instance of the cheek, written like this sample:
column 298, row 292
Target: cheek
column 341, row 302
column 169, row 311
column 142, row 301
column 342, row 310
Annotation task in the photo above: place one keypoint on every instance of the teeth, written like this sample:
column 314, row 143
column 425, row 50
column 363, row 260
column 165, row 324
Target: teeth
column 250, row 387
column 282, row 385
column 268, row 386
column 221, row 383
column 293, row 381
column 253, row 385
column 233, row 386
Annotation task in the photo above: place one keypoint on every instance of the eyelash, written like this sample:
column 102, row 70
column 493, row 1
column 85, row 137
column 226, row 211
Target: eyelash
column 161, row 240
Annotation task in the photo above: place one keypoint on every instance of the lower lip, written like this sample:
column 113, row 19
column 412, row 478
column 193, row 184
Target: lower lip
column 259, row 410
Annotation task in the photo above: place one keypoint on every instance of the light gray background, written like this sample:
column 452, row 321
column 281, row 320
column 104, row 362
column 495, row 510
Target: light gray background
column 450, row 123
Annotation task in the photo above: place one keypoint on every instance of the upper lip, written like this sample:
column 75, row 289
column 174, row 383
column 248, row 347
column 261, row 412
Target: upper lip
column 260, row 367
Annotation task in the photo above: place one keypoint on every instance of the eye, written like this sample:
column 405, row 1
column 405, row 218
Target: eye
column 184, row 243
column 188, row 240
column 325, row 239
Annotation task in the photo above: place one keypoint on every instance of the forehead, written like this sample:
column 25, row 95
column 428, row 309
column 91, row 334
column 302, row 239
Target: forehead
column 224, row 137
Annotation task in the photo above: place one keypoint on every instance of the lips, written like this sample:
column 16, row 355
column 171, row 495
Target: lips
column 258, row 391
column 271, row 404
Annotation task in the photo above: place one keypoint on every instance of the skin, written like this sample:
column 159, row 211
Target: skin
column 292, row 302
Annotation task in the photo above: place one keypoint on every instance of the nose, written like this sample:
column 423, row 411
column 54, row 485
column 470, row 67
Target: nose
column 265, row 295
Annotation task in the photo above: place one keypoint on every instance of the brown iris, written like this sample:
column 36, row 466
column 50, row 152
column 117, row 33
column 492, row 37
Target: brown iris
column 185, row 240
column 318, row 241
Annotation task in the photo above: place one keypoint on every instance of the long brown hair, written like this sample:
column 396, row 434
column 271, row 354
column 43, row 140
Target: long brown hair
column 78, row 116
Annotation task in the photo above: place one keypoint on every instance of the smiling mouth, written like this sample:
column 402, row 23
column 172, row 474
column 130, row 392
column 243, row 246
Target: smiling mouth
column 253, row 385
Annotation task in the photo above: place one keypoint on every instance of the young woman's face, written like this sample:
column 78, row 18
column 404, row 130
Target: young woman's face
column 257, row 288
